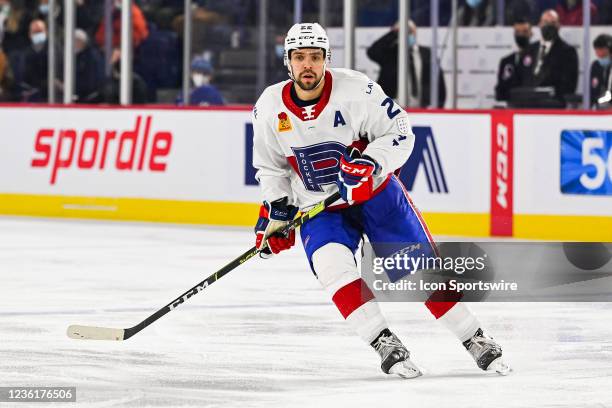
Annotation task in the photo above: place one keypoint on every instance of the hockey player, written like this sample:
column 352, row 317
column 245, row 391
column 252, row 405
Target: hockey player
column 328, row 129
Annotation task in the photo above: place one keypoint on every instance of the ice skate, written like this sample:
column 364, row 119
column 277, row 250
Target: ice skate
column 395, row 358
column 487, row 353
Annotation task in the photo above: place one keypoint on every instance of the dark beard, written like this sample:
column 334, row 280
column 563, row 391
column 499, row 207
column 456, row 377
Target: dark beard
column 307, row 87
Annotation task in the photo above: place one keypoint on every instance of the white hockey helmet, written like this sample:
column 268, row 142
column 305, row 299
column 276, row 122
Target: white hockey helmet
column 306, row 35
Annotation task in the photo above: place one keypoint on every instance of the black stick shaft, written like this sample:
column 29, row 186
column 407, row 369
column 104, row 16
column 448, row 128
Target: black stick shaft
column 226, row 269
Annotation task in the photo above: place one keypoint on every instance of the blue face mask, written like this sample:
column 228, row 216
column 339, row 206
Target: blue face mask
column 279, row 49
column 604, row 62
column 411, row 40
column 473, row 3
column 43, row 9
column 38, row 38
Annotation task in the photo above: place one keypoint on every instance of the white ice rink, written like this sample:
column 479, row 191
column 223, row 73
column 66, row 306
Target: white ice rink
column 265, row 335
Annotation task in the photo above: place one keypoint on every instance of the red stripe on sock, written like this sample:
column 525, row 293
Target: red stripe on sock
column 441, row 301
column 350, row 297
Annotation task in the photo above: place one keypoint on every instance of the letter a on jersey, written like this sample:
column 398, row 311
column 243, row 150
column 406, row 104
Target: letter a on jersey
column 284, row 124
column 339, row 120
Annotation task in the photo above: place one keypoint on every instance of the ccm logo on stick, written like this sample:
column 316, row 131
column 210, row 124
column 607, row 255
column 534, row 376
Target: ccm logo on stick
column 129, row 150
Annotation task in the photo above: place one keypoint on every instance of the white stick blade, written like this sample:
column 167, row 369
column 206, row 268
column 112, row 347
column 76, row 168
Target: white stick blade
column 94, row 333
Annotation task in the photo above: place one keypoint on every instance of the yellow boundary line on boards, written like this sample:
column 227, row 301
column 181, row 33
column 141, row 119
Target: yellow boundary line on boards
column 563, row 227
column 130, row 209
column 547, row 227
column 192, row 212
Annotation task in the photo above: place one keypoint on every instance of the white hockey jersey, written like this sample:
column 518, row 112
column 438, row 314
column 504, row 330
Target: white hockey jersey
column 297, row 151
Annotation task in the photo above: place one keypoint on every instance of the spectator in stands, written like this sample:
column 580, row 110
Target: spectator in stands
column 384, row 51
column 203, row 93
column 89, row 69
column 162, row 12
column 601, row 69
column 477, row 13
column 570, row 12
column 111, row 89
column 605, row 12
column 16, row 28
column 514, row 69
column 556, row 62
column 89, row 14
column 42, row 10
column 36, row 64
column 277, row 71
column 5, row 9
column 6, row 78
column 139, row 27
column 521, row 10
column 376, row 13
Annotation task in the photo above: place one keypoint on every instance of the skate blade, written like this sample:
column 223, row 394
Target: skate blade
column 406, row 369
column 499, row 366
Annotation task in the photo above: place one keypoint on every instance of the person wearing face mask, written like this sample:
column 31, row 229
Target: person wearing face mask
column 556, row 62
column 276, row 72
column 42, row 10
column 36, row 63
column 514, row 68
column 601, row 68
column 203, row 93
column 384, row 52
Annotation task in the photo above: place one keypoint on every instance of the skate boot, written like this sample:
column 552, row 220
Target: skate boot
column 486, row 352
column 395, row 358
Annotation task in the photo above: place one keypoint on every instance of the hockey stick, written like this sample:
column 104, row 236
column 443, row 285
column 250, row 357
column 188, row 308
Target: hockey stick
column 107, row 333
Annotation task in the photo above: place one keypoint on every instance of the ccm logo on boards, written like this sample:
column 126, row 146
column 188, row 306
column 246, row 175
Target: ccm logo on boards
column 501, row 166
column 128, row 150
column 502, row 174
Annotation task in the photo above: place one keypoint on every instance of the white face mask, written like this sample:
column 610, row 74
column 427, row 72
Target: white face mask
column 39, row 38
column 200, row 79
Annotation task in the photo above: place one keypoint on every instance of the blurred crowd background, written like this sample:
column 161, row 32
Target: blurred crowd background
column 225, row 50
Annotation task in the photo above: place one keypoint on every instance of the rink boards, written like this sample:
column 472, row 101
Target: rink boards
column 541, row 175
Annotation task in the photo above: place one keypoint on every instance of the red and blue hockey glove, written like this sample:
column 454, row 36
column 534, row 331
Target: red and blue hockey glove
column 355, row 179
column 273, row 217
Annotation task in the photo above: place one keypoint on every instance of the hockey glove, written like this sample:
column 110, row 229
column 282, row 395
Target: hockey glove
column 355, row 179
column 272, row 218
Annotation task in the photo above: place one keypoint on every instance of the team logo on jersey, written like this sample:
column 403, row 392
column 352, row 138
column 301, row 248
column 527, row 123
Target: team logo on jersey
column 284, row 123
column 402, row 125
column 317, row 165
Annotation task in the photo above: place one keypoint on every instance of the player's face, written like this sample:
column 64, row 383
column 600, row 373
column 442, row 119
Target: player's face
column 307, row 65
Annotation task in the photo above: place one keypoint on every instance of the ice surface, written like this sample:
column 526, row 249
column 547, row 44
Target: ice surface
column 265, row 335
